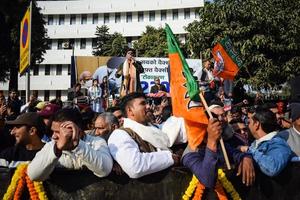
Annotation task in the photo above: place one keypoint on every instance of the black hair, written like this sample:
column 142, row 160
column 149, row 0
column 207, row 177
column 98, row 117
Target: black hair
column 166, row 113
column 237, row 120
column 69, row 114
column 269, row 105
column 127, row 100
column 267, row 119
column 113, row 109
column 131, row 49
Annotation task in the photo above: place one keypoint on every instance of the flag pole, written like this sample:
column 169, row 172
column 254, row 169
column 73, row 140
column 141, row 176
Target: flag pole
column 221, row 139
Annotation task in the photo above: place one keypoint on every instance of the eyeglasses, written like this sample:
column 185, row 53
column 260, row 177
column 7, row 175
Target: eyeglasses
column 239, row 131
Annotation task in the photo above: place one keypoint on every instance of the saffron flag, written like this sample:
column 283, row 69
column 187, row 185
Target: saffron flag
column 227, row 60
column 184, row 93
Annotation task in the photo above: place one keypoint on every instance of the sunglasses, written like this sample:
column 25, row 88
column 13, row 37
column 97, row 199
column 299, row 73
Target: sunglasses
column 239, row 131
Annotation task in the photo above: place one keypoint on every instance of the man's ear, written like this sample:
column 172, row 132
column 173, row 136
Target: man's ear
column 32, row 131
column 129, row 111
column 256, row 125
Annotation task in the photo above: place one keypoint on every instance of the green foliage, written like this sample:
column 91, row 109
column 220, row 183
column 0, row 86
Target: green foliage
column 265, row 31
column 11, row 14
column 152, row 43
column 109, row 45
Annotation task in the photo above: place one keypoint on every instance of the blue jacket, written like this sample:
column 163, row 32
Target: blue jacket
column 271, row 155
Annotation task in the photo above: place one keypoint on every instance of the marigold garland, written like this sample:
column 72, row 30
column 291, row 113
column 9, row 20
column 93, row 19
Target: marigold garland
column 197, row 188
column 228, row 185
column 17, row 185
column 14, row 181
column 191, row 188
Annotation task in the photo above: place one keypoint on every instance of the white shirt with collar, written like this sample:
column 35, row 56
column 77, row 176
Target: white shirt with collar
column 134, row 162
column 91, row 152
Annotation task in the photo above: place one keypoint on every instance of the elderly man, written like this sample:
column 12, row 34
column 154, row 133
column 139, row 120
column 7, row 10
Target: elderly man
column 205, row 161
column 139, row 148
column 70, row 148
column 105, row 124
column 28, row 129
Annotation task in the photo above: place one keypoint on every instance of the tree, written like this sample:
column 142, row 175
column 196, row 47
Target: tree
column 11, row 14
column 152, row 43
column 109, row 45
column 265, row 31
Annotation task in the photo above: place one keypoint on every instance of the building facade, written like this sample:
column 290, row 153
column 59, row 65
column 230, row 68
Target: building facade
column 73, row 24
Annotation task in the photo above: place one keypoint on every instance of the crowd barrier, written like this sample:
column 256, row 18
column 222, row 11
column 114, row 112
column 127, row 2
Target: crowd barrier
column 169, row 184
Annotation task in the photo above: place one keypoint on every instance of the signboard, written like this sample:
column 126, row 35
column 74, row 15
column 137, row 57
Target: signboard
column 92, row 67
column 25, row 38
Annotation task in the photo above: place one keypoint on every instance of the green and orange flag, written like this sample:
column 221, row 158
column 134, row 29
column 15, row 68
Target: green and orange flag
column 227, row 58
column 184, row 92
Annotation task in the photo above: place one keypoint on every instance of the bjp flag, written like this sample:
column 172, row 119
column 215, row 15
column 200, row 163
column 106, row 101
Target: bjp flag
column 184, row 93
column 226, row 59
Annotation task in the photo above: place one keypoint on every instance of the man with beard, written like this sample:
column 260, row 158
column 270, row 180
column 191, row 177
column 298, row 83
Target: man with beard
column 28, row 129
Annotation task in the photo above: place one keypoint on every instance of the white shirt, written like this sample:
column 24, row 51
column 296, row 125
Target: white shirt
column 91, row 152
column 135, row 163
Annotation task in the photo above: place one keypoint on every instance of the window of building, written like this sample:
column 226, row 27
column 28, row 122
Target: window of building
column 47, row 70
column 106, row 18
column 175, row 14
column 50, row 19
column 73, row 19
column 152, row 16
column 58, row 70
column 60, row 44
column 94, row 43
column 197, row 16
column 23, row 95
column 83, row 19
column 36, row 70
column 46, row 95
column 95, row 18
column 49, row 44
column 187, row 13
column 140, row 16
column 117, row 17
column 58, row 94
column 61, row 19
column 69, row 69
column 128, row 17
column 82, row 43
column 163, row 15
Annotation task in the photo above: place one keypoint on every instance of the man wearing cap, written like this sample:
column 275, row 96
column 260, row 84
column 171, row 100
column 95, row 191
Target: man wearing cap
column 70, row 148
column 28, row 129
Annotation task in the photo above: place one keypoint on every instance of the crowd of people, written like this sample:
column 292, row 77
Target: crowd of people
column 138, row 136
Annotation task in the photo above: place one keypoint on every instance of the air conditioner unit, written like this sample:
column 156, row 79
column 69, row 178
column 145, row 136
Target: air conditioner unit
column 66, row 45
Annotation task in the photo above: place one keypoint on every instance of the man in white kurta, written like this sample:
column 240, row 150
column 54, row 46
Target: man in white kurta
column 70, row 148
column 126, row 151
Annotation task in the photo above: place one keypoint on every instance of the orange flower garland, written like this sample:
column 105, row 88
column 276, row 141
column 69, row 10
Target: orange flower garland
column 20, row 188
column 197, row 188
column 17, row 185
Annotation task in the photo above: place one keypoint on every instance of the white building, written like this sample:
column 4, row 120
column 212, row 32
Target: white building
column 75, row 22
